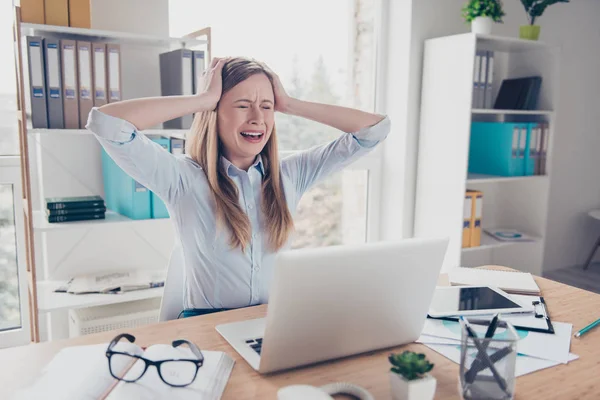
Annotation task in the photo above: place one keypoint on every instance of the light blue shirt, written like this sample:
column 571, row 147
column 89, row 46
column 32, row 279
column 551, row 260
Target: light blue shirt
column 217, row 276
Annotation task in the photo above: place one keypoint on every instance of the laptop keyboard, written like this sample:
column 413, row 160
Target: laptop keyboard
column 256, row 344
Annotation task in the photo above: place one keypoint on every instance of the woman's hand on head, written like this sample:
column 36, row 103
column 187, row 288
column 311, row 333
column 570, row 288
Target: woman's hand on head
column 282, row 100
column 211, row 83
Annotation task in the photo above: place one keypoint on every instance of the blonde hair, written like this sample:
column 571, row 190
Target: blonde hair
column 204, row 147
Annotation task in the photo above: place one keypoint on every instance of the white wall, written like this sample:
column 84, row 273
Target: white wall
column 150, row 17
column 410, row 23
column 575, row 183
column 575, row 187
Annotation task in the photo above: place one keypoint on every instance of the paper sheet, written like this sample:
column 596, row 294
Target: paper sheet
column 554, row 347
column 525, row 364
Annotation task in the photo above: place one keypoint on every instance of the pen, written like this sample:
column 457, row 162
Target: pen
column 483, row 354
column 475, row 369
column 588, row 328
column 477, row 364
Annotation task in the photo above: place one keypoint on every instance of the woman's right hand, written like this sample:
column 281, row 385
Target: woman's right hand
column 211, row 84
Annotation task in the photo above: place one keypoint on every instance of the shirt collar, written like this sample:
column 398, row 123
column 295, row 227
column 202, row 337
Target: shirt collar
column 232, row 170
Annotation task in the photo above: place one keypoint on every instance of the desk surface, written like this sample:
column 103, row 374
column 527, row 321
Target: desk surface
column 577, row 380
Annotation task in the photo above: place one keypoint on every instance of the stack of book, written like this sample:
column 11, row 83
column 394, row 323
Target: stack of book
column 64, row 209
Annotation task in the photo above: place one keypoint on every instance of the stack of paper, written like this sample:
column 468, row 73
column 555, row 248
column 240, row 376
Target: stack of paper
column 510, row 282
column 535, row 350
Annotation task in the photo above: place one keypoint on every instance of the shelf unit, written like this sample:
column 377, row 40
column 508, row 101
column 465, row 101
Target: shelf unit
column 50, row 301
column 519, row 202
column 42, row 236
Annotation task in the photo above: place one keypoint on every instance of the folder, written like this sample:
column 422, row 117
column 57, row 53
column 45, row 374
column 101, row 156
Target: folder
column 482, row 80
column 467, row 212
column 99, row 74
column 32, row 11
column 56, row 12
column 497, row 148
column 476, row 215
column 544, row 148
column 177, row 146
column 176, row 79
column 199, row 67
column 37, row 82
column 532, row 149
column 489, row 80
column 158, row 207
column 122, row 193
column 113, row 69
column 84, row 83
column 80, row 14
column 523, row 135
column 476, row 74
column 53, row 84
column 68, row 58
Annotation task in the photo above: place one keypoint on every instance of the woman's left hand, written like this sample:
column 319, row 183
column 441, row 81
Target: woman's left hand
column 282, row 100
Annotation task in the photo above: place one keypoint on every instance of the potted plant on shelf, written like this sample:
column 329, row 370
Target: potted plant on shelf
column 409, row 378
column 534, row 9
column 482, row 14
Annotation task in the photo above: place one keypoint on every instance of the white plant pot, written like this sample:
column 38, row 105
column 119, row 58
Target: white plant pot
column 418, row 389
column 482, row 25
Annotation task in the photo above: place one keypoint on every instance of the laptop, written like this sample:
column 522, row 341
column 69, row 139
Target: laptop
column 337, row 301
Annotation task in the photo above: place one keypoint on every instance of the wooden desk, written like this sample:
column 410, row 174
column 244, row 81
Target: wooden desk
column 579, row 379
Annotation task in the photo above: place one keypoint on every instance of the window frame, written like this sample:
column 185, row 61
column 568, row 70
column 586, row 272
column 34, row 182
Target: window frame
column 10, row 173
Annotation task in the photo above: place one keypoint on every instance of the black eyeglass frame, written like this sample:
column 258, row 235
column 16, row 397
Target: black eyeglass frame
column 176, row 343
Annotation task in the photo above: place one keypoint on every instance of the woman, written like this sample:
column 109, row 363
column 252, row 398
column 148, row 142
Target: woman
column 230, row 197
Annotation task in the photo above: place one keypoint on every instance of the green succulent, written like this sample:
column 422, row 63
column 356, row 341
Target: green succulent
column 483, row 8
column 410, row 365
column 535, row 8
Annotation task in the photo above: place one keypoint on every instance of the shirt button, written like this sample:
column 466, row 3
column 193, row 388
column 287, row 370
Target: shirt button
column 250, row 206
column 257, row 268
column 255, row 235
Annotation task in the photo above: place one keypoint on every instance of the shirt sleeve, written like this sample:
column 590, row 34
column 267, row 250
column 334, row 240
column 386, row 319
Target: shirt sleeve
column 310, row 166
column 141, row 158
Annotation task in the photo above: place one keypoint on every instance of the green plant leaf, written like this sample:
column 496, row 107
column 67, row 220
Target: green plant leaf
column 483, row 8
column 410, row 365
column 535, row 8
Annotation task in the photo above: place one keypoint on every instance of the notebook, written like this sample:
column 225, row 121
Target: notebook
column 510, row 282
column 81, row 372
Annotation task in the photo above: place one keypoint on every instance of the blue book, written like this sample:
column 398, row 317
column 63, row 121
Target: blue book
column 499, row 148
column 158, row 207
column 122, row 193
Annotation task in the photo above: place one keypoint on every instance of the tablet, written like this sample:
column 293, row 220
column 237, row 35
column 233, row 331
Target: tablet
column 473, row 300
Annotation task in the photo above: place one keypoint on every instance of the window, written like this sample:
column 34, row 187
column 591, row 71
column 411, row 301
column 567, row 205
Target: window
column 323, row 51
column 9, row 130
column 14, row 316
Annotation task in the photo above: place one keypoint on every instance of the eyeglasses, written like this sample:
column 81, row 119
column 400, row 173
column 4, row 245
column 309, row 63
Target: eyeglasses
column 175, row 372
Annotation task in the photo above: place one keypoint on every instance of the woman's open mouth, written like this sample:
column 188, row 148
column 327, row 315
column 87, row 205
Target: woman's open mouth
column 252, row 136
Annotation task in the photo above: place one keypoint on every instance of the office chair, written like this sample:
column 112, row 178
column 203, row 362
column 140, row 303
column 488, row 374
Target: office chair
column 172, row 299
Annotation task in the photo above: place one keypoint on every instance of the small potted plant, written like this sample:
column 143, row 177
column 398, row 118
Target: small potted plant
column 534, row 9
column 482, row 14
column 409, row 378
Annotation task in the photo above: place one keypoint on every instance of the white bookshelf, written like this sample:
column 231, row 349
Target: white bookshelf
column 487, row 111
column 483, row 178
column 67, row 162
column 108, row 36
column 176, row 133
column 446, row 114
column 51, row 301
column 41, row 224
